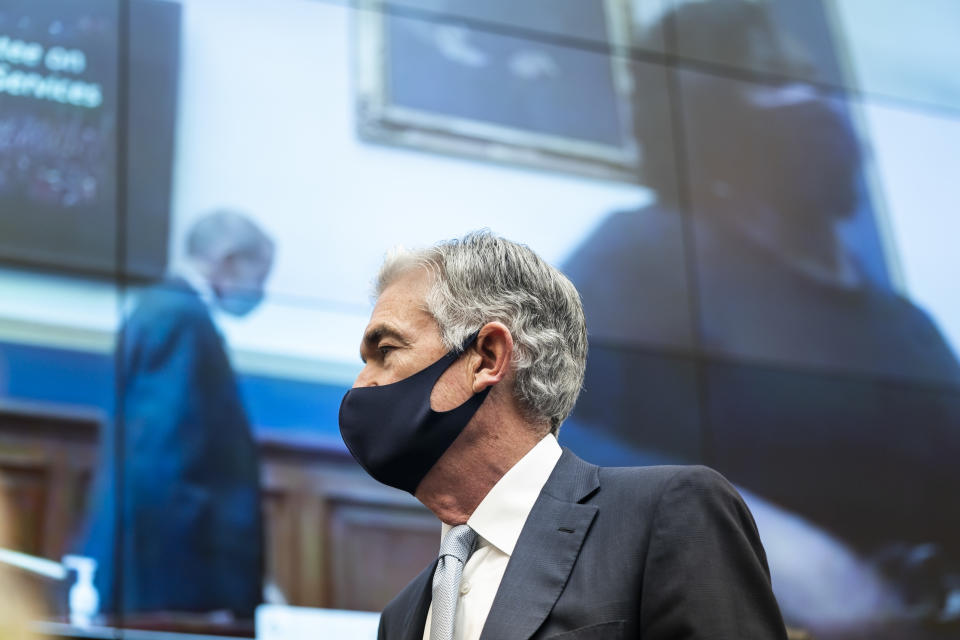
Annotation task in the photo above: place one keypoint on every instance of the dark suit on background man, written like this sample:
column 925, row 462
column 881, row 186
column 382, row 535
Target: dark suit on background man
column 607, row 553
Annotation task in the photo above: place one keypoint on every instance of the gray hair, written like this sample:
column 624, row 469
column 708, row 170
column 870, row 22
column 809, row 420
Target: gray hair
column 223, row 232
column 482, row 278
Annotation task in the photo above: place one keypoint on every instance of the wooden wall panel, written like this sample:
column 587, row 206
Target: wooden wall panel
column 46, row 464
column 24, row 490
column 375, row 549
column 334, row 537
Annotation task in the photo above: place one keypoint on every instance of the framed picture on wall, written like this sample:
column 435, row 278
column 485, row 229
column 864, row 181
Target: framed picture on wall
column 544, row 84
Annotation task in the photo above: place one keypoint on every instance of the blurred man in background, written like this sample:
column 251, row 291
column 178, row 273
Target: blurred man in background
column 187, row 531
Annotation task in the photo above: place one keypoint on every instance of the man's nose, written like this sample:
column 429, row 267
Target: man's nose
column 366, row 378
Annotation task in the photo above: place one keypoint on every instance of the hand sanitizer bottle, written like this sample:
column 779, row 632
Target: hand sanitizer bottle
column 84, row 601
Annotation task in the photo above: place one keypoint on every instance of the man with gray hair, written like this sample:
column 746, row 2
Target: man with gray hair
column 228, row 260
column 474, row 356
column 190, row 527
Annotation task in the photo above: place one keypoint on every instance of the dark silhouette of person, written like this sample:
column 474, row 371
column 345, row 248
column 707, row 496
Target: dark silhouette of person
column 734, row 325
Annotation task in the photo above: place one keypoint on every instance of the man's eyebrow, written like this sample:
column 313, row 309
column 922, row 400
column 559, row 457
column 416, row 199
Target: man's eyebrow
column 377, row 333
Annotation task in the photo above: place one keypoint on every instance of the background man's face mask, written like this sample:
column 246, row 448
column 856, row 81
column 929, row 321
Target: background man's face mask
column 239, row 281
column 392, row 431
column 240, row 303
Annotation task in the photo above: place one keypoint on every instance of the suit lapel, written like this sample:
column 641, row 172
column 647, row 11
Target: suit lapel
column 421, row 595
column 545, row 552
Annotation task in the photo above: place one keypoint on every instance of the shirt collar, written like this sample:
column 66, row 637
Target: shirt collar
column 500, row 516
column 192, row 276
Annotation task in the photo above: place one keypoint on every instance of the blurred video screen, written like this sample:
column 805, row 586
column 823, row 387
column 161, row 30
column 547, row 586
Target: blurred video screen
column 60, row 128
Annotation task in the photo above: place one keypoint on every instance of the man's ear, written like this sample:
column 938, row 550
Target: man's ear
column 494, row 345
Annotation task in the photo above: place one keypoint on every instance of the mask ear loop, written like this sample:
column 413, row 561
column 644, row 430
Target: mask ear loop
column 467, row 343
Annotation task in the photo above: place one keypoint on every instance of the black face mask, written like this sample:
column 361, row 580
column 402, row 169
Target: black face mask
column 392, row 431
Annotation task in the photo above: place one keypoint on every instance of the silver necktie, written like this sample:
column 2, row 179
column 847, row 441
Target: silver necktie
column 456, row 547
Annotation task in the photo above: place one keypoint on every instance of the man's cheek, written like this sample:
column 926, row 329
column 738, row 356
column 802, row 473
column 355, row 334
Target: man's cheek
column 450, row 391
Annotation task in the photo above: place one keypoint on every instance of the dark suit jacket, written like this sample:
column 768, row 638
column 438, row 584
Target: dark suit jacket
column 188, row 529
column 660, row 553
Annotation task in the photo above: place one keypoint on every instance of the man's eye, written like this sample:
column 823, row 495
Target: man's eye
column 385, row 349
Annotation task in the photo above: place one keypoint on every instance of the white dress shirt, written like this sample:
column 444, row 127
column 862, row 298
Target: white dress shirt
column 498, row 520
column 198, row 283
